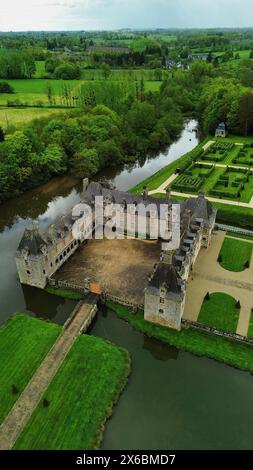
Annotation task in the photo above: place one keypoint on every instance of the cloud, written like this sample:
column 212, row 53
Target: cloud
column 114, row 14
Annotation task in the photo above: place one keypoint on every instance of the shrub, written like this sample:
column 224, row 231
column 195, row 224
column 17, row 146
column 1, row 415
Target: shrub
column 46, row 403
column 14, row 389
column 5, row 87
column 238, row 304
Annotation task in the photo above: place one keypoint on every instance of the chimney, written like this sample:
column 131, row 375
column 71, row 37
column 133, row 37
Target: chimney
column 85, row 184
column 145, row 192
column 168, row 194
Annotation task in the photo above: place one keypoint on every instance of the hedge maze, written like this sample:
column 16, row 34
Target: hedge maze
column 230, row 180
column 193, row 178
column 231, row 183
column 217, row 152
column 244, row 155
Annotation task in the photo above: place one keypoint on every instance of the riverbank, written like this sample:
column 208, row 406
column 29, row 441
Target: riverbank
column 196, row 342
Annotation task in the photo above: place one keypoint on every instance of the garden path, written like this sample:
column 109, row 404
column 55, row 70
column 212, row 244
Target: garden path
column 21, row 412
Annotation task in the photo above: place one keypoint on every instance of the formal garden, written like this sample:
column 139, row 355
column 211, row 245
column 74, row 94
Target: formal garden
column 235, row 255
column 218, row 152
column 212, row 171
column 244, row 155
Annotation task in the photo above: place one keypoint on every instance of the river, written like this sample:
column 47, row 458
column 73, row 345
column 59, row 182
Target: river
column 173, row 399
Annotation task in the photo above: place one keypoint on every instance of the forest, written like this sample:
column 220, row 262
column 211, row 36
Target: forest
column 114, row 97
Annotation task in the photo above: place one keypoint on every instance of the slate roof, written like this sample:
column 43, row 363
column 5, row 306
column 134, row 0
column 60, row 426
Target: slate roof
column 167, row 274
column 200, row 207
column 222, row 126
column 32, row 241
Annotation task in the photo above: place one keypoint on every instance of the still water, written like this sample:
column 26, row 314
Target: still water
column 173, row 399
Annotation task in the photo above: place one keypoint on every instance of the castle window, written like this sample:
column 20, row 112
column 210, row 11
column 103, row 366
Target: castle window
column 56, row 260
column 68, row 250
column 161, row 300
column 51, row 264
column 60, row 257
column 28, row 272
column 64, row 253
column 72, row 246
column 44, row 272
column 161, row 311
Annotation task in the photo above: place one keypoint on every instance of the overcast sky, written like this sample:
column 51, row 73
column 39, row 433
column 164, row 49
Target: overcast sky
column 21, row 15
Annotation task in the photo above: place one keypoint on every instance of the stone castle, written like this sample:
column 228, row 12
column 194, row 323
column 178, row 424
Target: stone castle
column 39, row 255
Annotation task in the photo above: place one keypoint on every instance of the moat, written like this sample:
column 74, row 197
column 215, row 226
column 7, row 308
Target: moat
column 173, row 399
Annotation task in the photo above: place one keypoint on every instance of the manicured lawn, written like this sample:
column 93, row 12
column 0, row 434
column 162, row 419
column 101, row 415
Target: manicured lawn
column 220, row 312
column 234, row 254
column 240, row 235
column 66, row 293
column 24, row 342
column 197, row 342
column 81, row 398
column 250, row 329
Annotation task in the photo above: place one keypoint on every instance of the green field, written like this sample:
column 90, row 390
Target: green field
column 197, row 342
column 21, row 116
column 235, row 254
column 81, row 397
column 24, row 342
column 220, row 312
column 34, row 91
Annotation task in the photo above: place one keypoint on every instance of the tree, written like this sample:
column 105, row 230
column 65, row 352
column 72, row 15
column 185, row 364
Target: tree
column 158, row 74
column 238, row 304
column 50, row 93
column 51, row 161
column 207, row 296
column 1, row 134
column 5, row 87
column 245, row 114
column 67, row 71
column 105, row 70
column 51, row 64
column 86, row 162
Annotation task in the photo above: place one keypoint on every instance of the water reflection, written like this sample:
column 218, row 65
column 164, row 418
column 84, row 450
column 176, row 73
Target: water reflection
column 129, row 175
column 158, row 350
column 46, row 306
